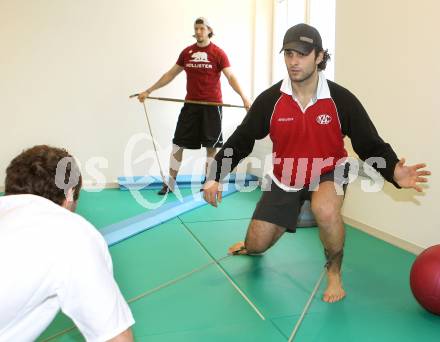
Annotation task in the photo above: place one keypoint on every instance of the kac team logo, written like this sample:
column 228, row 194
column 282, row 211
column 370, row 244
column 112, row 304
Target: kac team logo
column 323, row 119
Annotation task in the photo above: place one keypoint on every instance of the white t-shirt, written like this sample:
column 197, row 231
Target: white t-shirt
column 52, row 259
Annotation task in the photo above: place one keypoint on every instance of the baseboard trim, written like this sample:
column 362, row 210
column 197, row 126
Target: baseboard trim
column 94, row 187
column 393, row 240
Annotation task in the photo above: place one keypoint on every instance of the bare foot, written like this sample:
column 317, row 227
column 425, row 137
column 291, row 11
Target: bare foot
column 237, row 249
column 334, row 291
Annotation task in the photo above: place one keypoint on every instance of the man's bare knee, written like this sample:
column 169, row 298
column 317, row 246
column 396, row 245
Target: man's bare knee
column 326, row 213
column 261, row 236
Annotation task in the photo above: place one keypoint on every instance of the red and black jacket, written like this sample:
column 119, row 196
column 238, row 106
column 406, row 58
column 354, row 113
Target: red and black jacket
column 316, row 133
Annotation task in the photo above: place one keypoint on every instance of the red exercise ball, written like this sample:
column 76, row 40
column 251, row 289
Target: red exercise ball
column 425, row 279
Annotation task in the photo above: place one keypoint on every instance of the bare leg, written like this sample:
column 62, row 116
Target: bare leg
column 326, row 206
column 260, row 236
column 210, row 154
column 175, row 162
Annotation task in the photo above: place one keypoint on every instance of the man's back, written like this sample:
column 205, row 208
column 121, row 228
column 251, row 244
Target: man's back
column 51, row 258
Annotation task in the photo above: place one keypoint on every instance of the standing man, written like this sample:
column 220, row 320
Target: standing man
column 307, row 118
column 198, row 125
column 52, row 259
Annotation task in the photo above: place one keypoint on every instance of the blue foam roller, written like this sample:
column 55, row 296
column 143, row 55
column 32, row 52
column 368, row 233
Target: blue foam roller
column 120, row 231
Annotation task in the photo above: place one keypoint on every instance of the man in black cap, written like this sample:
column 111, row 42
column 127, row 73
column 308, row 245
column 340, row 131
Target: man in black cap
column 198, row 125
column 307, row 118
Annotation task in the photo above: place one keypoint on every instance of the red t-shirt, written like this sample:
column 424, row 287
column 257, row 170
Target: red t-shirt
column 203, row 66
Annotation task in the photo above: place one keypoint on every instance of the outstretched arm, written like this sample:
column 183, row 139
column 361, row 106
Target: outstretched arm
column 255, row 126
column 163, row 81
column 357, row 125
column 236, row 86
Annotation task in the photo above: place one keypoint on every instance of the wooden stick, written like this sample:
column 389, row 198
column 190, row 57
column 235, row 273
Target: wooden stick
column 206, row 103
column 220, row 267
column 297, row 325
column 154, row 145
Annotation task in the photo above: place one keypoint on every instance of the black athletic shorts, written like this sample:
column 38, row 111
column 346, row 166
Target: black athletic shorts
column 199, row 125
column 282, row 207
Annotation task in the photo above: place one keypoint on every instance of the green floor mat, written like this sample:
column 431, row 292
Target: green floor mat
column 154, row 257
column 236, row 332
column 113, row 205
column 379, row 305
column 205, row 301
column 346, row 323
column 279, row 281
column 239, row 205
column 205, row 307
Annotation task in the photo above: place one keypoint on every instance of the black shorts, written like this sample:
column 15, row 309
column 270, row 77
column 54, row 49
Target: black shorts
column 282, row 207
column 199, row 125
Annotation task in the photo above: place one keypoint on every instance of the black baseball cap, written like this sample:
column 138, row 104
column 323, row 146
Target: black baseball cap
column 302, row 38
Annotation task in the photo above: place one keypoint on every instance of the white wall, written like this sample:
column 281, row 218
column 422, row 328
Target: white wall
column 322, row 16
column 387, row 54
column 67, row 68
column 263, row 76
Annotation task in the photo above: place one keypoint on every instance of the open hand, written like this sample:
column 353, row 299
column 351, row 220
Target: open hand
column 410, row 177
